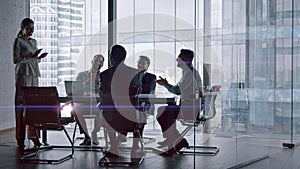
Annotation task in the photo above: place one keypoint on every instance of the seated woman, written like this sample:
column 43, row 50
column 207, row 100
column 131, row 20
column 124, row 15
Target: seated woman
column 90, row 81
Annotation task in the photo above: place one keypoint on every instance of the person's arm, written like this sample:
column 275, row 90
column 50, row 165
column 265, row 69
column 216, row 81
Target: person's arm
column 137, row 81
column 173, row 89
column 38, row 51
column 19, row 55
column 152, row 83
column 81, row 77
column 149, row 87
column 190, row 82
column 100, row 84
column 185, row 82
column 16, row 52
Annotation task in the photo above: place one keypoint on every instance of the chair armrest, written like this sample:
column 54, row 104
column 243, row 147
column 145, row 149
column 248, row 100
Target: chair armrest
column 66, row 120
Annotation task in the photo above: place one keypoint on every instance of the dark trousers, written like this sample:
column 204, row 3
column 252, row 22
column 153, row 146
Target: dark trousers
column 22, row 80
column 166, row 117
column 20, row 126
column 141, row 131
column 114, row 141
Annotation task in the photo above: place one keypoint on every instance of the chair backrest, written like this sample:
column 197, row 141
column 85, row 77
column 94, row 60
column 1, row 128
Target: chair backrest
column 209, row 109
column 201, row 108
column 120, row 112
column 41, row 105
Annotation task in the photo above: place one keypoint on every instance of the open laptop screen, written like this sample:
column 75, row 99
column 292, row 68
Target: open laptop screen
column 74, row 88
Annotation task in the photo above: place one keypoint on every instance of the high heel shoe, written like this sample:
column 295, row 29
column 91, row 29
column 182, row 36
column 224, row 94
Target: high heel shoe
column 86, row 142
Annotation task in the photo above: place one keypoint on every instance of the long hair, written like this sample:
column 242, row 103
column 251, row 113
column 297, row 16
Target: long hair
column 25, row 22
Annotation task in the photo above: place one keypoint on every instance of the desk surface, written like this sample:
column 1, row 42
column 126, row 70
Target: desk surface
column 158, row 99
column 152, row 98
column 157, row 96
column 77, row 98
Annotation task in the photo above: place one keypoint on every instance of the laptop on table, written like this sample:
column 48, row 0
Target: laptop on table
column 74, row 88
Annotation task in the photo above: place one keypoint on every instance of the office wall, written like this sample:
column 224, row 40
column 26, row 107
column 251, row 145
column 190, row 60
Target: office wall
column 11, row 13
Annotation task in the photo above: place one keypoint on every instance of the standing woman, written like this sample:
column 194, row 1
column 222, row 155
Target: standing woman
column 26, row 57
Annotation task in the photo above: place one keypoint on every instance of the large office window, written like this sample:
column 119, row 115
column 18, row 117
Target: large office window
column 72, row 32
column 170, row 25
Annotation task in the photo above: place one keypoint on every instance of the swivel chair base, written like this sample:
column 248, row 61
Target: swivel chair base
column 200, row 150
column 120, row 161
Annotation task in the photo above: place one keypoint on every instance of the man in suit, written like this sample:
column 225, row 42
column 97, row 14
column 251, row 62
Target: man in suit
column 148, row 87
column 148, row 80
column 117, row 85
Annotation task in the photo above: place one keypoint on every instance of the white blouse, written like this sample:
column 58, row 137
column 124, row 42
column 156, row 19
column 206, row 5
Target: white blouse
column 22, row 57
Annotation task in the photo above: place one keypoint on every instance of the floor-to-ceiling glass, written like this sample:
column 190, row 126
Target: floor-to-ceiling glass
column 246, row 48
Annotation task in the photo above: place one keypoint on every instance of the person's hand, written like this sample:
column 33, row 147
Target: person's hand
column 161, row 81
column 36, row 53
column 96, row 79
column 43, row 55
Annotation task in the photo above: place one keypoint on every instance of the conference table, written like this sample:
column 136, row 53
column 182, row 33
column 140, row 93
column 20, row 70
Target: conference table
column 152, row 98
column 169, row 99
column 158, row 98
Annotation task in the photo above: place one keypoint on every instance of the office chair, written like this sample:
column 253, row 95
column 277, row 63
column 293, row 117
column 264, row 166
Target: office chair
column 42, row 111
column 85, row 107
column 114, row 118
column 208, row 112
column 237, row 107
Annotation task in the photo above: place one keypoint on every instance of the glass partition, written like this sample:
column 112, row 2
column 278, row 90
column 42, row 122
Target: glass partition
column 247, row 49
column 295, row 71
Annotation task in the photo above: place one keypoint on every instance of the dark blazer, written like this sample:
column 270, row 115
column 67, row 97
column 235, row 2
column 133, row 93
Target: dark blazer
column 116, row 85
column 119, row 78
column 148, row 83
column 148, row 86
